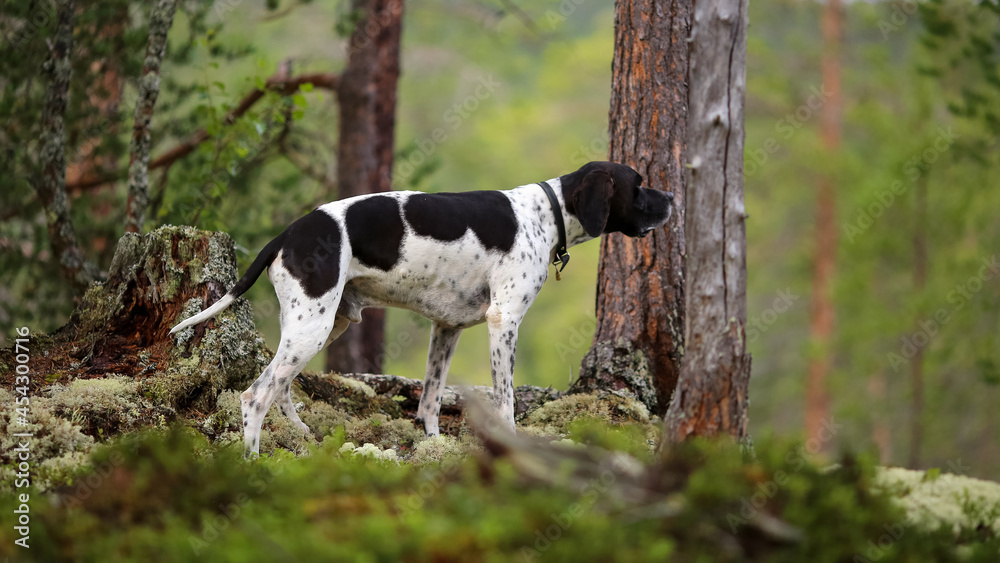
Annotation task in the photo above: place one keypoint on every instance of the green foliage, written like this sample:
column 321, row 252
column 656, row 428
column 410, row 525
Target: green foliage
column 964, row 39
column 169, row 496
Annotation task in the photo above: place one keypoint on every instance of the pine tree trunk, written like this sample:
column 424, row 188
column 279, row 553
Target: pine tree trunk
column 161, row 18
column 825, row 253
column 919, row 283
column 639, row 338
column 51, row 185
column 881, row 433
column 367, row 97
column 711, row 396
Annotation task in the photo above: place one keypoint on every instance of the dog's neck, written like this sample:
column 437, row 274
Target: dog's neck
column 534, row 195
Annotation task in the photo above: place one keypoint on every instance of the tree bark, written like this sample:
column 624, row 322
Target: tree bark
column 639, row 338
column 367, row 97
column 825, row 253
column 881, row 433
column 161, row 18
column 51, row 185
column 711, row 396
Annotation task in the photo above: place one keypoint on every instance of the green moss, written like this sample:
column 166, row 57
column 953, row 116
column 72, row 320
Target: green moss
column 382, row 431
column 281, row 433
column 322, row 419
column 556, row 417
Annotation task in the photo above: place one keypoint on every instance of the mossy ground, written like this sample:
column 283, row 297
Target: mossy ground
column 172, row 495
column 113, row 481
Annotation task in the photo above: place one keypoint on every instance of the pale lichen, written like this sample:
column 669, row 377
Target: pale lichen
column 444, row 449
column 106, row 406
column 53, row 444
column 934, row 500
column 369, row 450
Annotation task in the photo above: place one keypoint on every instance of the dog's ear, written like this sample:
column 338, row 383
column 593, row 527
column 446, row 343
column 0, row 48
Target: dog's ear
column 591, row 201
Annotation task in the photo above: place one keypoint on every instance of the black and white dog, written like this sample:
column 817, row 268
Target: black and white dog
column 455, row 258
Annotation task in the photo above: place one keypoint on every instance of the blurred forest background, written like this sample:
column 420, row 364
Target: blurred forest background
column 521, row 93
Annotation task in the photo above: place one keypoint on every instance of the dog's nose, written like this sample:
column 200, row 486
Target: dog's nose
column 670, row 196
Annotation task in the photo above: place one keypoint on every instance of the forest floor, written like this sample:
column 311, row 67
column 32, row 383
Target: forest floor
column 117, row 476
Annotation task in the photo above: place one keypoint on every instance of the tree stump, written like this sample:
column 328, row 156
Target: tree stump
column 121, row 326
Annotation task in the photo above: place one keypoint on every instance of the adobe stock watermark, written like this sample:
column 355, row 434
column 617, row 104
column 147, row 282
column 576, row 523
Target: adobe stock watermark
column 796, row 460
column 785, row 128
column 21, row 455
column 566, row 8
column 375, row 24
column 959, row 296
column 563, row 521
column 453, row 119
column 880, row 547
column 37, row 21
column 418, row 496
column 228, row 513
column 901, row 14
column 596, row 148
column 759, row 324
column 576, row 338
column 393, row 348
column 913, row 168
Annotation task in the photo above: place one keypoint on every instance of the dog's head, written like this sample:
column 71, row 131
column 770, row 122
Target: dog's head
column 607, row 198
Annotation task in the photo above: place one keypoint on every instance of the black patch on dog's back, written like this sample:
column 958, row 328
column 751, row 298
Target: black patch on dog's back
column 311, row 252
column 446, row 217
column 375, row 230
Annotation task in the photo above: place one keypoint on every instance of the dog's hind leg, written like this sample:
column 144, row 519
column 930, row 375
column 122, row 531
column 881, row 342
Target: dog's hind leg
column 303, row 335
column 287, row 408
column 285, row 403
column 298, row 346
column 439, row 354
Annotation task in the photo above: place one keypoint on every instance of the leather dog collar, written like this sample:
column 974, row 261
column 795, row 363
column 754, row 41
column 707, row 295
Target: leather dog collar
column 560, row 255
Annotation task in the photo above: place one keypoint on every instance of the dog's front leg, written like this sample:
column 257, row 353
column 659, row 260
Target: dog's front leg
column 503, row 325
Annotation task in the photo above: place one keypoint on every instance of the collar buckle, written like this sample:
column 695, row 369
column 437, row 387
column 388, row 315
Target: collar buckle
column 560, row 257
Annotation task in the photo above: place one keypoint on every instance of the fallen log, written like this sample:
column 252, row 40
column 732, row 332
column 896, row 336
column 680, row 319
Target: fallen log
column 406, row 392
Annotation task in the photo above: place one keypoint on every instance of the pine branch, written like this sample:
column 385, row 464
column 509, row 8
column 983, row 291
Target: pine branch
column 285, row 87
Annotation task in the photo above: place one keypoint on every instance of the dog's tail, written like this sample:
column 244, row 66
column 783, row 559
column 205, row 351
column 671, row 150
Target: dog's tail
column 263, row 260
